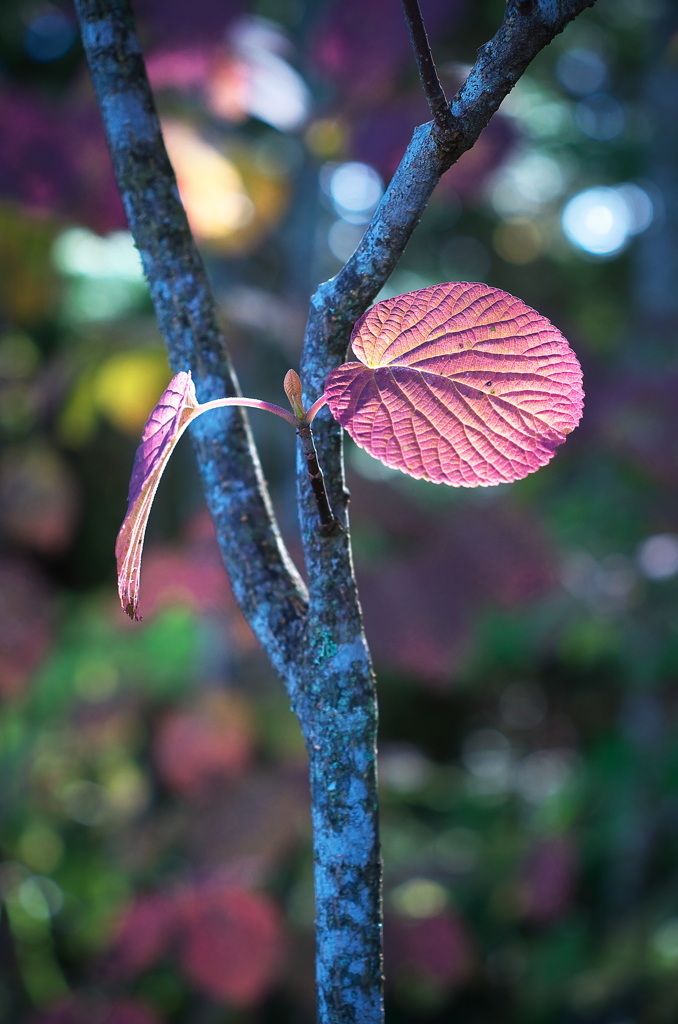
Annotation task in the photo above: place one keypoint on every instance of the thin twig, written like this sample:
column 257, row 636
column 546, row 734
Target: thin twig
column 434, row 91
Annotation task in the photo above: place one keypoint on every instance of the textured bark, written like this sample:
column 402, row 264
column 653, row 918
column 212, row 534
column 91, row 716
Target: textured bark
column 265, row 582
column 315, row 640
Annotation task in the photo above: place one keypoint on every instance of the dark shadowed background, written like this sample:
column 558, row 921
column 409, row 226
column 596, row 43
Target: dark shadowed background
column 155, row 841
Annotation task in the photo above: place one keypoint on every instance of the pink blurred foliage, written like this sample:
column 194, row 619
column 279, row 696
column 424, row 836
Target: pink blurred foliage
column 438, row 948
column 549, row 879
column 415, row 623
column 220, row 77
column 255, row 822
column 198, row 748
column 145, row 933
column 175, row 575
column 54, row 160
column 231, row 943
column 26, row 619
column 96, row 1010
column 168, row 23
column 422, row 598
column 189, row 573
column 363, row 46
column 181, row 66
column 229, row 940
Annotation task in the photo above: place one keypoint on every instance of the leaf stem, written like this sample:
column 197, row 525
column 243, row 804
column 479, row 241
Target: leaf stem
column 329, row 524
column 251, row 403
column 427, row 70
column 315, row 408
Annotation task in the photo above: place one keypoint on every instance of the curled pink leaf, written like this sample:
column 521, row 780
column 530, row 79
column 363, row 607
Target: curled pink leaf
column 178, row 405
column 176, row 408
column 458, row 383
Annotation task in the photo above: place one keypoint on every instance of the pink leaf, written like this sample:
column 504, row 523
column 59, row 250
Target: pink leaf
column 176, row 408
column 458, row 383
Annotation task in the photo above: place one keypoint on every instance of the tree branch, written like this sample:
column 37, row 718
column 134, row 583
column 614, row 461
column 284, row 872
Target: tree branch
column 339, row 714
column 264, row 579
column 427, row 69
column 528, row 26
column 318, row 647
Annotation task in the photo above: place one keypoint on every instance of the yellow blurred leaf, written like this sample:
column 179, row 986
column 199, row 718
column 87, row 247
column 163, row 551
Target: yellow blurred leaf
column 126, row 388
column 230, row 203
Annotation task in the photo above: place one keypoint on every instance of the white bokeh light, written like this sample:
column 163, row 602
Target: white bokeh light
column 657, row 556
column 343, row 239
column 40, row 897
column 601, row 117
column 598, row 221
column 544, row 773
column 78, row 251
column 581, row 71
column 601, row 220
column 275, row 93
column 640, row 205
column 525, row 183
column 355, row 190
column 487, row 756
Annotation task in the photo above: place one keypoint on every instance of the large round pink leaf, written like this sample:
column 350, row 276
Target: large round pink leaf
column 458, row 383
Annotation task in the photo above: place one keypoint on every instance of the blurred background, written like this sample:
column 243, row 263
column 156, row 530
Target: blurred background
column 156, row 862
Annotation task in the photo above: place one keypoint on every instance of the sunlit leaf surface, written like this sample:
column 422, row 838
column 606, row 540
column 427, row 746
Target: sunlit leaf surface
column 176, row 408
column 458, row 383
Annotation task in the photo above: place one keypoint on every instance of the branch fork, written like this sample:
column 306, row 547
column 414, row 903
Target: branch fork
column 313, row 637
column 435, row 94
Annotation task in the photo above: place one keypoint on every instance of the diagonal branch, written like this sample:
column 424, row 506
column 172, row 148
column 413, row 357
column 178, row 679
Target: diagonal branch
column 528, row 26
column 265, row 582
column 427, row 69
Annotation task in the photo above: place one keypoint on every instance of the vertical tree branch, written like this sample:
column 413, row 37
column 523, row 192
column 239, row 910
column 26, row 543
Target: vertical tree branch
column 264, row 579
column 347, row 858
column 340, row 720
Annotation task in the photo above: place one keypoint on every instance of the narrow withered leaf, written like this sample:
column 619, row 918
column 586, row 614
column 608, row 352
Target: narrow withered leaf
column 458, row 383
column 176, row 408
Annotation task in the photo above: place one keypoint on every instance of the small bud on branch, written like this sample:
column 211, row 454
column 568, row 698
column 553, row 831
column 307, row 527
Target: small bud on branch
column 292, row 386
